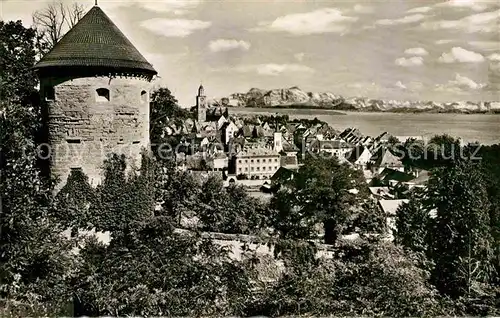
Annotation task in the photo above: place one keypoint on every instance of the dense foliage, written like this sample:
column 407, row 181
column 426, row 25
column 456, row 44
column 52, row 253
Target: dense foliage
column 164, row 109
column 17, row 56
column 449, row 226
column 328, row 193
column 444, row 261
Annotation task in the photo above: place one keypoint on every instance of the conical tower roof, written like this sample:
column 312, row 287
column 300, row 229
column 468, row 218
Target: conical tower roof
column 95, row 41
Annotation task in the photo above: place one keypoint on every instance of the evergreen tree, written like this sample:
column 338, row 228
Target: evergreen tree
column 413, row 224
column 461, row 240
column 120, row 199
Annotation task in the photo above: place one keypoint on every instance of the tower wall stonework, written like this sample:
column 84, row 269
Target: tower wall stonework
column 84, row 128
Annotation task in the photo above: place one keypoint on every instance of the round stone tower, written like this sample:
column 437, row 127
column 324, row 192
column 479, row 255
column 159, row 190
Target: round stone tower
column 95, row 85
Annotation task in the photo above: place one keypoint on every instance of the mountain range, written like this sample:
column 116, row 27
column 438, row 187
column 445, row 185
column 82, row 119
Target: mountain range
column 294, row 97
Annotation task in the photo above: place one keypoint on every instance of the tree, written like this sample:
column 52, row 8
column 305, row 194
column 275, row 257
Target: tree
column 490, row 167
column 154, row 271
column 289, row 219
column 393, row 141
column 361, row 278
column 413, row 225
column 461, row 238
column 73, row 202
column 178, row 194
column 321, row 188
column 228, row 210
column 378, row 279
column 443, row 150
column 17, row 57
column 414, row 151
column 123, row 199
column 52, row 22
column 164, row 110
column 36, row 259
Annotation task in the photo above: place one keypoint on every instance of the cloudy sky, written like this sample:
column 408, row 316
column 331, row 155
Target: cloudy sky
column 395, row 49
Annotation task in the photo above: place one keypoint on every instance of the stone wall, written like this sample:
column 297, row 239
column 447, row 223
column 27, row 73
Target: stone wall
column 83, row 127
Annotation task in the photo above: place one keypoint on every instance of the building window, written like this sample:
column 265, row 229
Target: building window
column 258, row 160
column 239, row 161
column 251, row 161
column 246, row 169
column 239, row 169
column 263, row 160
column 102, row 95
column 275, row 160
column 258, row 168
column 50, row 93
column 251, row 169
column 144, row 97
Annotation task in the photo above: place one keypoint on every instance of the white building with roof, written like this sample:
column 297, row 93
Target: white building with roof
column 261, row 163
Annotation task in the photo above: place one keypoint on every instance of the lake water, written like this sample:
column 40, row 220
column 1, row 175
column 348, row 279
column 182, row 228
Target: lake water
column 484, row 128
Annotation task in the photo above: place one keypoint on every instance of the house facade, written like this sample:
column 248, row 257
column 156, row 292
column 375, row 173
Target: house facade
column 258, row 163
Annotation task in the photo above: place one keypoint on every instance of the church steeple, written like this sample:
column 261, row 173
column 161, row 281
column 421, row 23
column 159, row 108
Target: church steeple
column 201, row 90
column 201, row 105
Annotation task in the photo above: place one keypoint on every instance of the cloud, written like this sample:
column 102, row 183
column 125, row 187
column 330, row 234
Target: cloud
column 460, row 55
column 273, row 69
column 485, row 45
column 458, row 4
column 495, row 57
column 445, row 41
column 468, row 4
column 405, row 20
column 420, row 51
column 460, row 83
column 174, row 27
column 315, row 22
column 161, row 59
column 175, row 6
column 400, row 85
column 299, row 56
column 419, row 10
column 486, row 22
column 411, row 61
column 222, row 45
column 410, row 86
column 178, row 7
column 359, row 8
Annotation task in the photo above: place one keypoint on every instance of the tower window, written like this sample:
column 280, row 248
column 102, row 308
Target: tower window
column 102, row 95
column 144, row 97
column 50, row 93
column 73, row 141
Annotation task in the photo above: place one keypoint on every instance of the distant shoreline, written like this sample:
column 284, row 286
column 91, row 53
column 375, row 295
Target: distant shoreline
column 299, row 110
column 365, row 110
